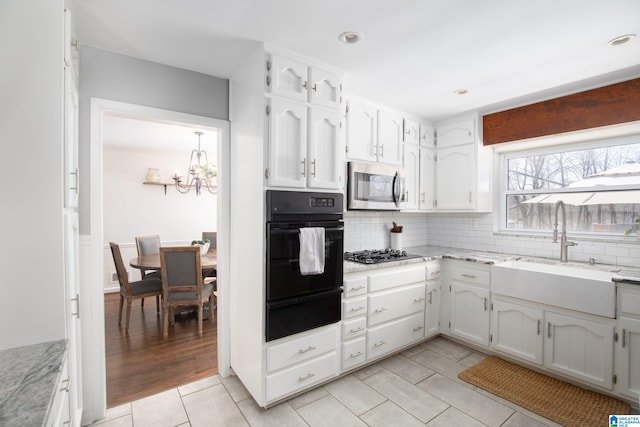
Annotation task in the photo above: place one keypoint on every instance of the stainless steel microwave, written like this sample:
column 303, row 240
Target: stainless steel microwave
column 375, row 187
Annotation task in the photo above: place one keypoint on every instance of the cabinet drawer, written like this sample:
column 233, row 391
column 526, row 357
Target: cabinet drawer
column 300, row 349
column 393, row 335
column 354, row 328
column 355, row 286
column 354, row 307
column 629, row 301
column 433, row 270
column 393, row 277
column 354, row 352
column 389, row 305
column 471, row 275
column 301, row 376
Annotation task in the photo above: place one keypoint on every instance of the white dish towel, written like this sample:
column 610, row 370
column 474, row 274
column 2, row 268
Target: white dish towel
column 311, row 250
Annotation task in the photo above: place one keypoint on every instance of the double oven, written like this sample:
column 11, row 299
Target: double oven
column 296, row 302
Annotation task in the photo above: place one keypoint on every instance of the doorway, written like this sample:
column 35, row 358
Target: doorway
column 93, row 345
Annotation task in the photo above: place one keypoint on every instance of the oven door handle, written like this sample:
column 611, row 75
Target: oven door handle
column 297, row 230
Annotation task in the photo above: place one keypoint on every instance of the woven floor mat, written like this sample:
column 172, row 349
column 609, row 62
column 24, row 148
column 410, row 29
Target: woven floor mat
column 556, row 400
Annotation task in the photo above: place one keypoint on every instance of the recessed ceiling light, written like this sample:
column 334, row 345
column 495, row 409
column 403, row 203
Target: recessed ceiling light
column 349, row 37
column 460, row 92
column 622, row 40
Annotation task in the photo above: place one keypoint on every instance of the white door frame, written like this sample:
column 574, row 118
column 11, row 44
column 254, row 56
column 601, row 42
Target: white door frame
column 93, row 340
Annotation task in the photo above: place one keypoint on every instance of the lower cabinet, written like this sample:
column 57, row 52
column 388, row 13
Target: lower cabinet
column 627, row 349
column 469, row 313
column 432, row 310
column 294, row 364
column 579, row 347
column 516, row 329
column 60, row 409
column 393, row 335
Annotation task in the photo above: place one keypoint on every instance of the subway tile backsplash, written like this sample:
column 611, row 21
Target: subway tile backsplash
column 370, row 230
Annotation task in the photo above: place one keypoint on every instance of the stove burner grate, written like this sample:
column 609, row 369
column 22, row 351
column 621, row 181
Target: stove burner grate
column 376, row 256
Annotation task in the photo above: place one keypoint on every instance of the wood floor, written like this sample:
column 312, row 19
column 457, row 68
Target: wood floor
column 140, row 363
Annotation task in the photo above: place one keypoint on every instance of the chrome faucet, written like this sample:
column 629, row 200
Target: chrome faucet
column 564, row 243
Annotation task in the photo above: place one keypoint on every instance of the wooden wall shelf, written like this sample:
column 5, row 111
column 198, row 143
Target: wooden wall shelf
column 164, row 184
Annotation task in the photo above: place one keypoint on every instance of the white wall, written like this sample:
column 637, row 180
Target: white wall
column 132, row 209
column 32, row 306
column 370, row 229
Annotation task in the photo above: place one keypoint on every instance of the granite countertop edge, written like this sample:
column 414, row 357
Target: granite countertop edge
column 28, row 376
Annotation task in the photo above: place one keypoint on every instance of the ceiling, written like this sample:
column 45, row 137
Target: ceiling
column 413, row 54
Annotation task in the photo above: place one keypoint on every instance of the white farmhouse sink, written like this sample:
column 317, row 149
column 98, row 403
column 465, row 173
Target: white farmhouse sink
column 575, row 288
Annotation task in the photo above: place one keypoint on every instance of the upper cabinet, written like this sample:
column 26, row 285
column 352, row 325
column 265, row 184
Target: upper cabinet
column 411, row 131
column 463, row 166
column 374, row 135
column 303, row 119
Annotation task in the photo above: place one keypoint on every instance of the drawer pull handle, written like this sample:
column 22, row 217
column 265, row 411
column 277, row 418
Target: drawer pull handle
column 469, row 276
column 306, row 377
column 418, row 299
column 306, row 350
column 539, row 326
column 358, row 329
column 358, row 288
column 354, row 355
column 430, row 297
column 416, row 329
column 485, row 303
column 624, row 334
column 66, row 385
column 380, row 310
column 358, row 308
column 548, row 329
column 379, row 343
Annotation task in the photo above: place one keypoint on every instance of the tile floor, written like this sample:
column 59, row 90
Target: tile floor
column 417, row 387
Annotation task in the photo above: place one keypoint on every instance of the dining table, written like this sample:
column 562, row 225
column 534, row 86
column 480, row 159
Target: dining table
column 209, row 261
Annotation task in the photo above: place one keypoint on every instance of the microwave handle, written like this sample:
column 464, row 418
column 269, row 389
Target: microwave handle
column 397, row 189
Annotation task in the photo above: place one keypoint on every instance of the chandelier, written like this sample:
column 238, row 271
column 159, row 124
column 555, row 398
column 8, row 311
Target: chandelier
column 201, row 175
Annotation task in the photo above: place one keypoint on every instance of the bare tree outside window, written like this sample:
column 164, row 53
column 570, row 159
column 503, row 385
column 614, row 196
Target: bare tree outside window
column 600, row 186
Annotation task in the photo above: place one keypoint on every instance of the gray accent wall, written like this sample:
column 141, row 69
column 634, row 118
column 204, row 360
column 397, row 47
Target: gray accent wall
column 122, row 78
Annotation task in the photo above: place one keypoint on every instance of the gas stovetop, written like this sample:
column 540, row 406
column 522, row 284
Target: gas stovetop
column 377, row 256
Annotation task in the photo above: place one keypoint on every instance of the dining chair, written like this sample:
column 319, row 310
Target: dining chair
column 182, row 283
column 148, row 245
column 129, row 291
column 212, row 236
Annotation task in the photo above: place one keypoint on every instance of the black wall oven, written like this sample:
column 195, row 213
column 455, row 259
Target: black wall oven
column 297, row 302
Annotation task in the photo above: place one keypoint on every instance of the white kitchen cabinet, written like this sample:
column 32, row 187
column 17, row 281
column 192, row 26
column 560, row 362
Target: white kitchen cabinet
column 60, row 410
column 323, row 160
column 390, row 138
column 427, row 178
column 287, row 77
column 627, row 348
column 354, row 320
column 391, row 304
column 393, row 335
column 362, row 132
column 463, row 167
column 432, row 310
column 296, row 362
column 71, row 178
column 411, row 131
column 354, row 353
column 325, row 88
column 427, row 135
column 580, row 346
column 469, row 298
column 287, row 144
column 411, row 164
column 516, row 329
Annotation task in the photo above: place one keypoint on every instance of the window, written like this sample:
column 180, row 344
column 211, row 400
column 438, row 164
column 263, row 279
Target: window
column 599, row 184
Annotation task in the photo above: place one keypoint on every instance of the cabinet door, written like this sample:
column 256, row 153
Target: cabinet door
column 324, row 88
column 580, row 348
column 517, row 330
column 411, row 132
column 287, row 144
column 628, row 357
column 71, row 178
column 432, row 314
column 324, row 149
column 390, row 137
column 457, row 133
column 455, row 168
column 412, row 175
column 362, row 132
column 469, row 316
column 288, row 78
column 427, row 135
column 427, row 178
